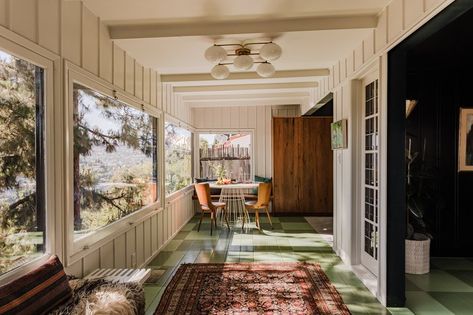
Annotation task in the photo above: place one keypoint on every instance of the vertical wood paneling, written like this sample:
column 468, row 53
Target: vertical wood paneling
column 336, row 73
column 234, row 111
column 91, row 262
column 154, row 88
column 75, row 269
column 106, row 54
column 118, row 67
column 395, row 19
column 90, row 41
column 140, row 250
column 381, row 32
column 23, row 18
column 146, row 85
column 71, row 31
column 147, row 238
column 368, row 47
column 131, row 248
column 243, row 117
column 154, row 233
column 49, row 24
column 252, row 116
column 432, row 4
column 107, row 255
column 160, row 229
column 119, row 245
column 358, row 57
column 129, row 74
column 268, row 143
column 3, row 13
column 159, row 91
column 138, row 80
column 260, row 141
column 413, row 10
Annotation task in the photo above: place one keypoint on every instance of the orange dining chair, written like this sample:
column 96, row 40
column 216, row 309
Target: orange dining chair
column 264, row 196
column 206, row 204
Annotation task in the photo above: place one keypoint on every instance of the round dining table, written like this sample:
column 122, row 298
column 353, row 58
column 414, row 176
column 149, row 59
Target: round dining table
column 233, row 195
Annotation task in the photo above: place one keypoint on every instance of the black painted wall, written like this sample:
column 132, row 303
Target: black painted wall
column 440, row 77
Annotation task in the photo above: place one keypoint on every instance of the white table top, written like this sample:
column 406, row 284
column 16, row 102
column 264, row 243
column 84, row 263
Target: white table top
column 235, row 186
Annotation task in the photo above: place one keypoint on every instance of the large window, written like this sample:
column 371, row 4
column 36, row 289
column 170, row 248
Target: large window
column 226, row 155
column 22, row 208
column 178, row 151
column 115, row 160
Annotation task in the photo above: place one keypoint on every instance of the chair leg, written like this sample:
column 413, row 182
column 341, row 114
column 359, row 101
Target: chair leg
column 200, row 221
column 257, row 220
column 211, row 221
column 269, row 217
column 244, row 219
column 225, row 216
column 215, row 221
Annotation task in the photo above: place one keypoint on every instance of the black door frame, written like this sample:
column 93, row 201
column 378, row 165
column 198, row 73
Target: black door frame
column 396, row 181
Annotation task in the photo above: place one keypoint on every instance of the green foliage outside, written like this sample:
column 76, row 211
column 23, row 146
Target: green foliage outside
column 178, row 154
column 20, row 224
column 114, row 160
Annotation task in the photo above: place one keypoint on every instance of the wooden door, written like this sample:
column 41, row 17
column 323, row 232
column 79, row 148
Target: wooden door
column 303, row 166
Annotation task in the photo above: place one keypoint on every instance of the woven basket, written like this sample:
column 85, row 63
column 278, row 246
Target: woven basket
column 417, row 256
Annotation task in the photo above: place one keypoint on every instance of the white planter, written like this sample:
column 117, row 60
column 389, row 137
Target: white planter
column 418, row 256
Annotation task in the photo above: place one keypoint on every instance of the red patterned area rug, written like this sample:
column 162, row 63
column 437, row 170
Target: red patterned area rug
column 251, row 288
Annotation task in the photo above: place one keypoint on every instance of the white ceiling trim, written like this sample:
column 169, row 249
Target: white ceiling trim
column 310, row 74
column 244, row 87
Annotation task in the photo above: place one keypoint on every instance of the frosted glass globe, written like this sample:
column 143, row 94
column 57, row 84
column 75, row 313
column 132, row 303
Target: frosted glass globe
column 243, row 62
column 220, row 72
column 265, row 70
column 270, row 51
column 215, row 54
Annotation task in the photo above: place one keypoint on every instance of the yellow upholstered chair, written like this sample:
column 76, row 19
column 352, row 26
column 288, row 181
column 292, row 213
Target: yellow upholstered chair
column 264, row 197
column 206, row 205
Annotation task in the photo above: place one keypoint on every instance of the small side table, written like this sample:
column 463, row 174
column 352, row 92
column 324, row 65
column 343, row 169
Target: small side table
column 121, row 275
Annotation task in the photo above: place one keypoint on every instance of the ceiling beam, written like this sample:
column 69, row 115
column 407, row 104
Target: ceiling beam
column 244, row 76
column 249, row 102
column 241, row 97
column 269, row 25
column 244, row 87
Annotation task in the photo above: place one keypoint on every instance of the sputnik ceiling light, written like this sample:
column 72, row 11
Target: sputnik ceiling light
column 244, row 58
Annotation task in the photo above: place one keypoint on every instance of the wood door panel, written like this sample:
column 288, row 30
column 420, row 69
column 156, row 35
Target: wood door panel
column 302, row 158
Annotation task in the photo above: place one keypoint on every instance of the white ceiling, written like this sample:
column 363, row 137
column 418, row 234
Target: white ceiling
column 301, row 50
column 306, row 48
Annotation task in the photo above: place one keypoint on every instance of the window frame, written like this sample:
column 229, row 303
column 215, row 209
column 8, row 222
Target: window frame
column 29, row 53
column 226, row 130
column 182, row 125
column 80, row 247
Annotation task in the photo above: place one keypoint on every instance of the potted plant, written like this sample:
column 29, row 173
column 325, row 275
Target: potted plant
column 420, row 193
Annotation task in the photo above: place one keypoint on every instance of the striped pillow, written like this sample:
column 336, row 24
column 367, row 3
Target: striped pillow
column 37, row 292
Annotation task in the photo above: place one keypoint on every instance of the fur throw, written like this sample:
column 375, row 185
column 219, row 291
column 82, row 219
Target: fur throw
column 100, row 297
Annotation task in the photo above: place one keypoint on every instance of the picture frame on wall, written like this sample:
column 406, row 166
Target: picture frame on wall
column 338, row 131
column 465, row 145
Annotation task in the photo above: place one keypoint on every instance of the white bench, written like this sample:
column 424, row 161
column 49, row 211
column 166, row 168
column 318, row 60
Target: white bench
column 121, row 275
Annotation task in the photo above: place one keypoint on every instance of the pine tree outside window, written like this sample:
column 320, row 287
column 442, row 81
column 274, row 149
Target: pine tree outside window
column 115, row 160
column 22, row 186
column 178, row 154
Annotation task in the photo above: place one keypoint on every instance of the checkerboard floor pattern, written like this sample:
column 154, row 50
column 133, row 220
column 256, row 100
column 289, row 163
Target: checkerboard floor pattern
column 292, row 239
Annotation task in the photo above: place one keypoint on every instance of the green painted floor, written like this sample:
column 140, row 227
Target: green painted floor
column 446, row 290
column 292, row 239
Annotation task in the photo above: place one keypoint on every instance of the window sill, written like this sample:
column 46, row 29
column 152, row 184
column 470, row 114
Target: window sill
column 177, row 194
column 86, row 244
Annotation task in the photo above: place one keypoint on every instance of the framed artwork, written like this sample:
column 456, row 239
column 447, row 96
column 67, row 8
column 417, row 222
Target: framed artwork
column 339, row 134
column 465, row 146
